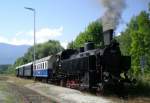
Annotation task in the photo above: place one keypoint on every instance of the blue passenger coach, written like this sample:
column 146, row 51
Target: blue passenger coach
column 28, row 69
column 44, row 67
column 25, row 70
column 20, row 71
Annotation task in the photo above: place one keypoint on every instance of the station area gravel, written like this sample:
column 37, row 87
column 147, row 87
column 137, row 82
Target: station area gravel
column 12, row 92
column 19, row 90
column 66, row 95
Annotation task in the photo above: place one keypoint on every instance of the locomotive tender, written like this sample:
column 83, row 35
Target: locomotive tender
column 87, row 68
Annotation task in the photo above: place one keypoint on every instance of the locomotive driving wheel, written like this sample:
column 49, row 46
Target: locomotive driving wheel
column 100, row 89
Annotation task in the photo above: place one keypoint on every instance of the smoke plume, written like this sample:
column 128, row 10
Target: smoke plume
column 112, row 15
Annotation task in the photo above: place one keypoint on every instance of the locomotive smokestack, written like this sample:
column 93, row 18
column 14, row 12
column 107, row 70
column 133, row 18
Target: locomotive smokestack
column 111, row 17
column 108, row 35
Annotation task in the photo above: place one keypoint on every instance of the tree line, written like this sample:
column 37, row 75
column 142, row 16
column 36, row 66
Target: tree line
column 135, row 41
column 42, row 50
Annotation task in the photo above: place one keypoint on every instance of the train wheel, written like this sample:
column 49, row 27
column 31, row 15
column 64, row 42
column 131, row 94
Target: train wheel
column 100, row 90
column 62, row 83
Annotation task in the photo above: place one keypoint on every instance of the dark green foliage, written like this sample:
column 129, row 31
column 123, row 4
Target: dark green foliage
column 71, row 45
column 135, row 41
column 92, row 33
column 42, row 50
column 4, row 68
column 10, row 70
column 125, row 42
column 141, row 88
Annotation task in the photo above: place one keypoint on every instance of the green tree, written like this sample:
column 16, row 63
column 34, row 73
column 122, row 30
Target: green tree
column 135, row 41
column 95, row 30
column 42, row 50
column 141, row 40
column 82, row 38
column 71, row 45
column 92, row 33
column 125, row 42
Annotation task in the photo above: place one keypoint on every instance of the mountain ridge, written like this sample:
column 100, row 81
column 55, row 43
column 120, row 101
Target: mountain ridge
column 9, row 53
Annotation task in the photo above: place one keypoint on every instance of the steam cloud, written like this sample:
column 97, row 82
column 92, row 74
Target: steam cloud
column 112, row 15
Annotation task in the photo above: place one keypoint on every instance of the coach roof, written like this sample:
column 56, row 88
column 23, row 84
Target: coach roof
column 44, row 59
column 24, row 65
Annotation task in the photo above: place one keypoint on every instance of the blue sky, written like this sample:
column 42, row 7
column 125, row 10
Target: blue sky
column 55, row 19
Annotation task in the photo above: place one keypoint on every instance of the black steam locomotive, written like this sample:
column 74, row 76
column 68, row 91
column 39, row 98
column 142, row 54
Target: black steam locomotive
column 92, row 68
column 87, row 68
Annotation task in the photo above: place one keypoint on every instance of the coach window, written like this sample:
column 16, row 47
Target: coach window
column 47, row 64
column 44, row 65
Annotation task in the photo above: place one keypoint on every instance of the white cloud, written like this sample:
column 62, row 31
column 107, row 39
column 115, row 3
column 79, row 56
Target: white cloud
column 26, row 38
column 19, row 33
column 118, row 34
column 64, row 44
column 3, row 39
column 45, row 34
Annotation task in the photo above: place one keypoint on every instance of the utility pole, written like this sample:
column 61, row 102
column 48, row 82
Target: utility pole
column 34, row 28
